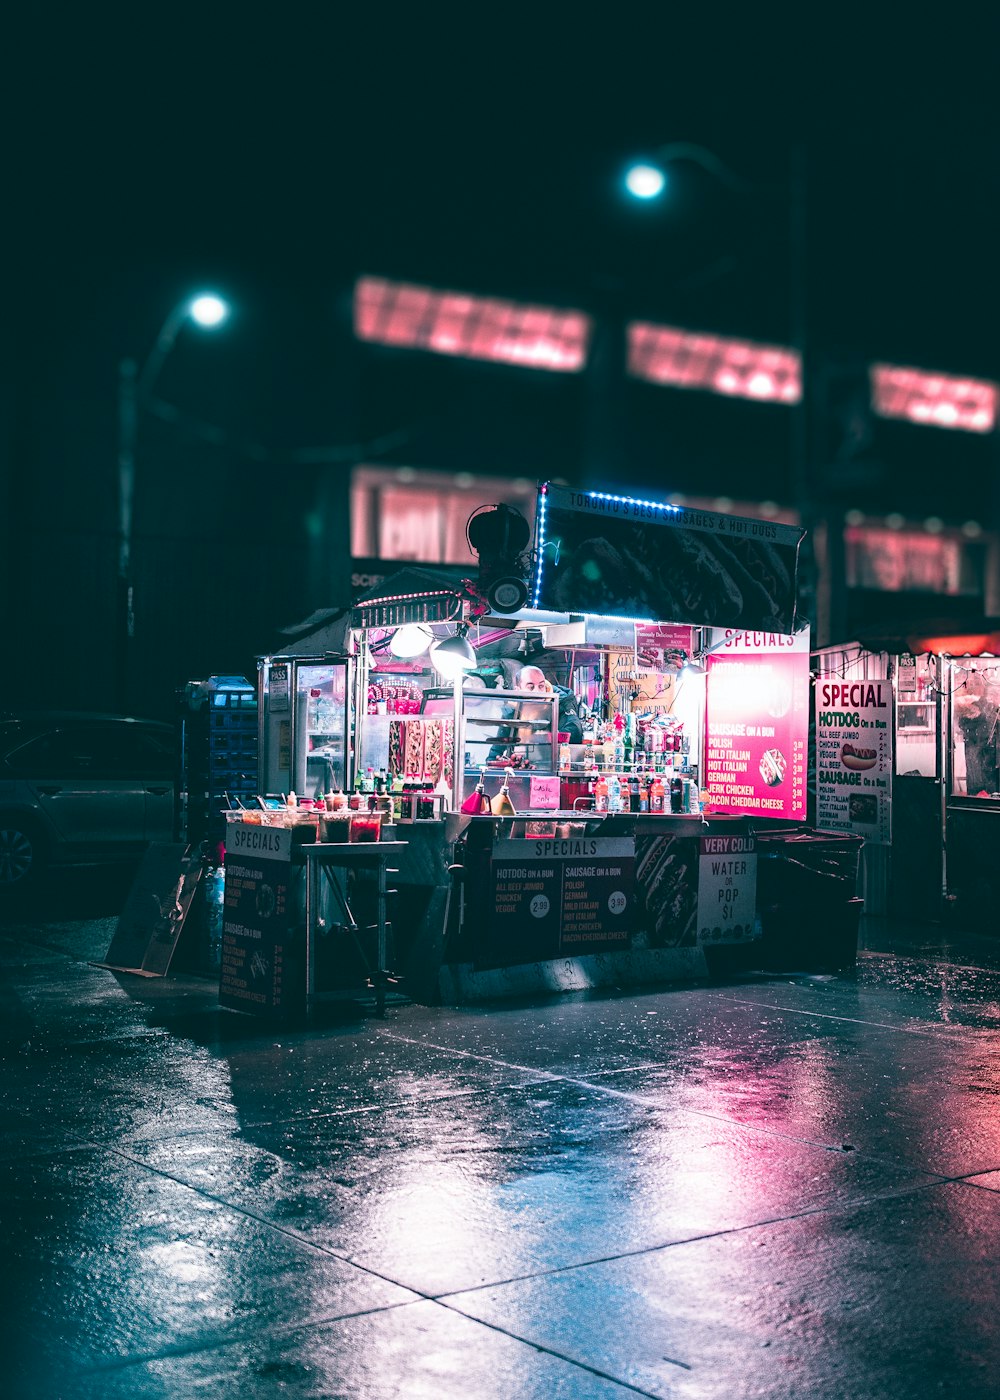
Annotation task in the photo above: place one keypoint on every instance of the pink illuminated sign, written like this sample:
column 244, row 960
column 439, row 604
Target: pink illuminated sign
column 757, row 723
column 692, row 360
column 943, row 400
column 477, row 328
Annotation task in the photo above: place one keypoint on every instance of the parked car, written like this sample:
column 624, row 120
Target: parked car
column 79, row 789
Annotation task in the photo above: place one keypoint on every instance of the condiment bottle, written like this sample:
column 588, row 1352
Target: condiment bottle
column 477, row 804
column 501, row 805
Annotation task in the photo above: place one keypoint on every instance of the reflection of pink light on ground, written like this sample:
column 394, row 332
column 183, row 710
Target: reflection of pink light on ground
column 478, row 328
column 690, row 360
column 943, row 400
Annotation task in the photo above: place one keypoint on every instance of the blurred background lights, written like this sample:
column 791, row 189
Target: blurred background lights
column 644, row 181
column 209, row 310
column 940, row 400
column 413, row 317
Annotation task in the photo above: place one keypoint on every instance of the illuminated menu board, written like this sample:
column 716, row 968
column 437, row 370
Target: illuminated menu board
column 757, row 723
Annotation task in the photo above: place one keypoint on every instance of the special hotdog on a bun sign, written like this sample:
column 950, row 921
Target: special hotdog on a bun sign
column 854, row 757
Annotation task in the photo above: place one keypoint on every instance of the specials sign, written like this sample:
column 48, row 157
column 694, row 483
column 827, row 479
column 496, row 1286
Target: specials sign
column 255, row 923
column 560, row 897
column 757, row 723
column 854, row 757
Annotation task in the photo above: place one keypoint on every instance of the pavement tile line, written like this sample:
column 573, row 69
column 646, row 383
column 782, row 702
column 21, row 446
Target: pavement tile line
column 853, row 1202
column 936, row 1032
column 223, row 1340
column 644, row 1102
column 569, row 1360
column 286, row 1330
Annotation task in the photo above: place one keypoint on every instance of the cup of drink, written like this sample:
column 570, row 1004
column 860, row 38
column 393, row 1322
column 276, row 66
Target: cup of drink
column 365, row 826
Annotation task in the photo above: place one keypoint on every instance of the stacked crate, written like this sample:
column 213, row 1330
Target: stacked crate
column 219, row 746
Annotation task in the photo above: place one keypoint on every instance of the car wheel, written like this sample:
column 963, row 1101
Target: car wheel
column 22, row 854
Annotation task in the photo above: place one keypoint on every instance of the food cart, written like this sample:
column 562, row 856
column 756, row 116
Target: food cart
column 622, row 848
column 577, row 787
column 936, row 857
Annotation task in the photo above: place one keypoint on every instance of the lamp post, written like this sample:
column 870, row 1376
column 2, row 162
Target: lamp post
column 134, row 384
column 649, row 180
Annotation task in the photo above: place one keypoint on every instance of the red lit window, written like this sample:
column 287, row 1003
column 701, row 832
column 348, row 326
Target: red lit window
column 691, row 360
column 478, row 328
column 944, row 400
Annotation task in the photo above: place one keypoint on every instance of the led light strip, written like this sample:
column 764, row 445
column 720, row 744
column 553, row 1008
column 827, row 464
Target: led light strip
column 633, row 501
column 543, row 501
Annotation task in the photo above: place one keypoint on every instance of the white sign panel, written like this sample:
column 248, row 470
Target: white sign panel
column 727, row 889
column 854, row 757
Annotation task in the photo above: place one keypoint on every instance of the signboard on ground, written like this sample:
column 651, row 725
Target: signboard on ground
column 555, row 897
column 255, row 925
column 854, row 757
column 149, row 927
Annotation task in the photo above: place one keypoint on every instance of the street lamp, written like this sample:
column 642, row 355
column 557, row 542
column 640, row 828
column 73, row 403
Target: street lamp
column 208, row 311
column 647, row 179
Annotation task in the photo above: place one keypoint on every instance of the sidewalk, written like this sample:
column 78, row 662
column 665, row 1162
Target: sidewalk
column 782, row 1187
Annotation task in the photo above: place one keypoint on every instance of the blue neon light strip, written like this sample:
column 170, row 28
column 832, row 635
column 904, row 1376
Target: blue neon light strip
column 543, row 501
column 633, row 501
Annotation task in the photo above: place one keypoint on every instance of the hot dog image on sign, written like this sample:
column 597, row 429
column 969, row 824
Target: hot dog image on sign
column 854, row 756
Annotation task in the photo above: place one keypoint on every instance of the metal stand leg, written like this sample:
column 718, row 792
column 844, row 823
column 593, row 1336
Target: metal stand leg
column 380, row 971
column 312, row 913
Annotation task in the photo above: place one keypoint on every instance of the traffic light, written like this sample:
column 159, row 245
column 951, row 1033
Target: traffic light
column 499, row 536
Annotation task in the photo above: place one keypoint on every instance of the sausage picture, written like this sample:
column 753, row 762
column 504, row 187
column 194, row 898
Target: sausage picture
column 858, row 759
column 772, row 767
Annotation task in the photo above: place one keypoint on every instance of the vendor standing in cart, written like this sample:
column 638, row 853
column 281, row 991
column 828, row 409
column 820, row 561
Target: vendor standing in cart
column 976, row 719
column 533, row 678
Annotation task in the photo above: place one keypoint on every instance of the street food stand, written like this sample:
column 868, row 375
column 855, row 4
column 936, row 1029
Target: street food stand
column 578, row 788
column 627, row 851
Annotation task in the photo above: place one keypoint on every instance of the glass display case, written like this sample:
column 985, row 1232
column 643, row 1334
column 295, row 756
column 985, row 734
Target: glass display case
column 510, row 729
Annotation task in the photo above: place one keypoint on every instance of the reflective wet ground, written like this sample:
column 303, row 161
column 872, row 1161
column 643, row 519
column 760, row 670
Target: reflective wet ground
column 784, row 1186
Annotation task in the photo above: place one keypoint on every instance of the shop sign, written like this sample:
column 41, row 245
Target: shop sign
column 634, row 685
column 906, row 675
column 854, row 757
column 255, row 924
column 277, row 686
column 727, row 889
column 555, row 897
column 619, row 557
column 757, row 723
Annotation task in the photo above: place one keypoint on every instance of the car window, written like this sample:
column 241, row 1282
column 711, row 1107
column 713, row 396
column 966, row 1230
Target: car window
column 94, row 751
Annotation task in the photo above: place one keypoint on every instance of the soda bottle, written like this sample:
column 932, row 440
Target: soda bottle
column 601, row 794
column 677, row 793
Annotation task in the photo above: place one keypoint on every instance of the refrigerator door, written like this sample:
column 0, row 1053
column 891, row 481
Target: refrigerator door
column 274, row 710
column 320, row 727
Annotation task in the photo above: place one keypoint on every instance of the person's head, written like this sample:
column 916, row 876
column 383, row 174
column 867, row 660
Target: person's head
column 531, row 678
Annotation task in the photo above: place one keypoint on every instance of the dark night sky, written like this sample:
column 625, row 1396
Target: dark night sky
column 279, row 158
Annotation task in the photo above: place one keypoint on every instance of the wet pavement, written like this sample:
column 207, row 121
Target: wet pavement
column 780, row 1186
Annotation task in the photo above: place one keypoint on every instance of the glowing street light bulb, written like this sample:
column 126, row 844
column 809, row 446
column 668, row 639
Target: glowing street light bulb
column 645, row 181
column 209, row 310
